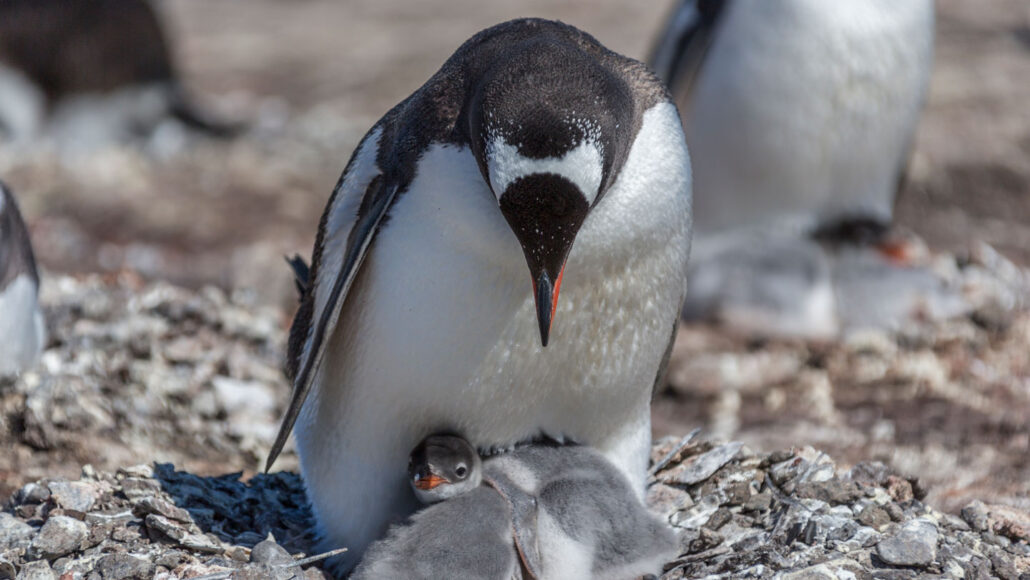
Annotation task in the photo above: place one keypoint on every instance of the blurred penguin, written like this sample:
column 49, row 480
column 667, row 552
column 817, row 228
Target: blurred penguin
column 800, row 117
column 95, row 71
column 22, row 330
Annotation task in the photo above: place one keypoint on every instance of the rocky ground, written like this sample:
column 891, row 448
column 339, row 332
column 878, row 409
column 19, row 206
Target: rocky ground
column 140, row 371
column 787, row 515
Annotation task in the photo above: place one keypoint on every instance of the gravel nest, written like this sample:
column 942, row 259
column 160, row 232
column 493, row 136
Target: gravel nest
column 740, row 514
column 139, row 372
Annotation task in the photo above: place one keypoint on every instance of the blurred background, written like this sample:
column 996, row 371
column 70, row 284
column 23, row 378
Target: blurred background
column 292, row 85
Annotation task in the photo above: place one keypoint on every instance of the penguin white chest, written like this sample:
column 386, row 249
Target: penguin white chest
column 22, row 331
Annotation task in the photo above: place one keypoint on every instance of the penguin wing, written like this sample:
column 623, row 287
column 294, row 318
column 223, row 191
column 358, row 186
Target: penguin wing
column 681, row 48
column 301, row 274
column 16, row 257
column 356, row 209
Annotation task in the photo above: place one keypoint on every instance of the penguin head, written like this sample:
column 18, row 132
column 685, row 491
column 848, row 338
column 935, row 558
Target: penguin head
column 550, row 128
column 444, row 466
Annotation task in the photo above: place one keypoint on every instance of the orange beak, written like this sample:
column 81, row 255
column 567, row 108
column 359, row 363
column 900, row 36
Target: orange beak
column 426, row 483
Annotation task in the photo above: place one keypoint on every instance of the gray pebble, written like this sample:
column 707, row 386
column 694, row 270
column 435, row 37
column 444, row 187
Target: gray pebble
column 915, row 544
column 14, row 533
column 38, row 570
column 122, row 566
column 76, row 496
column 60, row 535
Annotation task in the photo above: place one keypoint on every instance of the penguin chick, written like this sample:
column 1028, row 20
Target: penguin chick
column 22, row 329
column 468, row 536
column 569, row 514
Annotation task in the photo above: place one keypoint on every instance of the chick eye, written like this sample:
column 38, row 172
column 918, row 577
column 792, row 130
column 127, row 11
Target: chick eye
column 461, row 471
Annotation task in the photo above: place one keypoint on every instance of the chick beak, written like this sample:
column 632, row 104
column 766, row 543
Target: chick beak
column 428, row 481
column 546, row 294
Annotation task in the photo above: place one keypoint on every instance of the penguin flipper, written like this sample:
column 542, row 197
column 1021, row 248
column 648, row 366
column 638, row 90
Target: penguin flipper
column 16, row 256
column 681, row 48
column 301, row 274
column 377, row 199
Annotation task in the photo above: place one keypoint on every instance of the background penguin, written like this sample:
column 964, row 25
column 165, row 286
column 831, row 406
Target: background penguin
column 572, row 514
column 533, row 150
column 100, row 70
column 22, row 328
column 800, row 116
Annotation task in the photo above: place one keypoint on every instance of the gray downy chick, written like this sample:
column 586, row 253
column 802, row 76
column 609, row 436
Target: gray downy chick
column 468, row 536
column 564, row 513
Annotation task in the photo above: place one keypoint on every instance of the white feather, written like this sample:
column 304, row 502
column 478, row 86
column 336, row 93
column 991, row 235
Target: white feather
column 22, row 330
column 582, row 165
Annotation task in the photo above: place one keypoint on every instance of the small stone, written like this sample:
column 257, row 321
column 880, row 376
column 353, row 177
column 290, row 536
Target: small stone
column 126, row 535
column 899, row 489
column 14, row 533
column 119, row 566
column 7, row 570
column 720, row 518
column 874, row 516
column 75, row 495
column 32, row 493
column 665, row 499
column 60, row 535
column 141, row 471
column 895, row 512
column 818, row 572
column 269, row 552
column 165, row 527
column 154, row 505
column 915, row 544
column 759, row 502
column 37, row 570
column 135, row 487
column 171, row 559
column 703, row 466
column 698, row 514
column 1009, row 522
column 202, row 543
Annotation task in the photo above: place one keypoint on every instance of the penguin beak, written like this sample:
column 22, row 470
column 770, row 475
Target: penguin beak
column 545, row 292
column 428, row 482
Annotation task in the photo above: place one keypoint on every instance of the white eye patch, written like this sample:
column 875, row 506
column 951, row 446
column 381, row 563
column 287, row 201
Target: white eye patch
column 583, row 166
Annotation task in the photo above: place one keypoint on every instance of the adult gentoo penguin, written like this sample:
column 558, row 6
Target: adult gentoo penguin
column 564, row 513
column 534, row 150
column 22, row 329
column 800, row 116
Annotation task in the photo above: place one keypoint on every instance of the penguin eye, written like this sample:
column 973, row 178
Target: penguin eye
column 461, row 471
